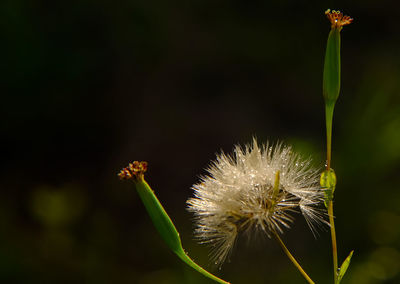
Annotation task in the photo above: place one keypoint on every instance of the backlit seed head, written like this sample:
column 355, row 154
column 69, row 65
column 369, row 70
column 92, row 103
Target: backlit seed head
column 255, row 189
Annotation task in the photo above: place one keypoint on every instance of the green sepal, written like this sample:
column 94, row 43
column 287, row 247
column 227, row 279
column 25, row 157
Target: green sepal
column 345, row 265
column 328, row 183
column 331, row 77
column 166, row 227
column 159, row 216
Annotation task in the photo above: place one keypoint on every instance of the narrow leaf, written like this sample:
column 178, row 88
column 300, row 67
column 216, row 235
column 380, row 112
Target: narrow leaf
column 345, row 265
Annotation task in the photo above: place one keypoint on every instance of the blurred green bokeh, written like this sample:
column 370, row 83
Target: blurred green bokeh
column 92, row 85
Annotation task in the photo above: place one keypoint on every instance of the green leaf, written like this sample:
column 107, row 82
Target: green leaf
column 345, row 265
column 328, row 182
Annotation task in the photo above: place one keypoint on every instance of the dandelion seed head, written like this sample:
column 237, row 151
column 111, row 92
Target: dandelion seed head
column 241, row 194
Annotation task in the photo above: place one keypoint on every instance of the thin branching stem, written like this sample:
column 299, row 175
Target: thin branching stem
column 291, row 257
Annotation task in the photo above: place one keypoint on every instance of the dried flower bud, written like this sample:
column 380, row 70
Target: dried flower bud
column 134, row 171
column 337, row 19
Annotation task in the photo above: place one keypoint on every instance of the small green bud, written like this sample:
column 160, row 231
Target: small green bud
column 331, row 77
column 328, row 182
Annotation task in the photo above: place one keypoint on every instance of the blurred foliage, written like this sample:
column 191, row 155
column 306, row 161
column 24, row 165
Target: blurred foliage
column 89, row 86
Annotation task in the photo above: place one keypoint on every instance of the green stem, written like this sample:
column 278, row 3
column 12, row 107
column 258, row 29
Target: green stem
column 329, row 118
column 185, row 258
column 334, row 246
column 331, row 90
column 329, row 107
column 275, row 192
column 291, row 257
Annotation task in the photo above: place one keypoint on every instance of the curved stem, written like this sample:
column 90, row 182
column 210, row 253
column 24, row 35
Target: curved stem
column 334, row 246
column 184, row 257
column 291, row 257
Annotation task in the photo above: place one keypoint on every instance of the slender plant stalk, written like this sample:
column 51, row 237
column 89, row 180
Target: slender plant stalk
column 329, row 119
column 291, row 257
column 185, row 258
column 334, row 246
column 333, row 237
column 331, row 90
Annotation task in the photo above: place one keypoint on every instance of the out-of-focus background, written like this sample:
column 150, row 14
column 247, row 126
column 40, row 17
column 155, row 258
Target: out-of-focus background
column 88, row 86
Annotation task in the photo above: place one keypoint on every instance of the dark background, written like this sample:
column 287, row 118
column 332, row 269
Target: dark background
column 89, row 86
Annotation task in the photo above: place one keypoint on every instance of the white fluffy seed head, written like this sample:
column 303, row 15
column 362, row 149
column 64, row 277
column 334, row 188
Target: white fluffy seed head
column 238, row 195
